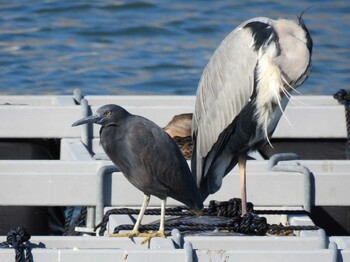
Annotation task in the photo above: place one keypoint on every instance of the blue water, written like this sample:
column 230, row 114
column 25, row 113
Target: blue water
column 149, row 47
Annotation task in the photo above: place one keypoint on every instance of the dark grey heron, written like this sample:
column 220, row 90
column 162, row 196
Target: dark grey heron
column 242, row 94
column 148, row 158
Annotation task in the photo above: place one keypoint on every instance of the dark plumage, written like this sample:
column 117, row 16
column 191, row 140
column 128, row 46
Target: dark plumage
column 147, row 156
column 185, row 144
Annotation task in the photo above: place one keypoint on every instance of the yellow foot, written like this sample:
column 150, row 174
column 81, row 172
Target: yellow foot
column 129, row 235
column 149, row 236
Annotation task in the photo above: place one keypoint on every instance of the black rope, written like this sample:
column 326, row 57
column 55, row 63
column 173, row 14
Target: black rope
column 248, row 224
column 18, row 238
column 72, row 221
column 68, row 221
column 80, row 219
column 343, row 97
column 230, row 208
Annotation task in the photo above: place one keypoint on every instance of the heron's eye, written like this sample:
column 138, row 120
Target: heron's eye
column 108, row 113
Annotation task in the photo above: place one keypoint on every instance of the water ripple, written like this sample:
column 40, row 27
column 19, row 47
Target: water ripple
column 150, row 46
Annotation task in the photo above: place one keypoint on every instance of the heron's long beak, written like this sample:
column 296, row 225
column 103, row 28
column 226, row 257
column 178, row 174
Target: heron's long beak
column 89, row 119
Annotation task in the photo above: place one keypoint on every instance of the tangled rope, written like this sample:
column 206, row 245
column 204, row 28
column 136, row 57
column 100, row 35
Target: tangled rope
column 248, row 224
column 17, row 238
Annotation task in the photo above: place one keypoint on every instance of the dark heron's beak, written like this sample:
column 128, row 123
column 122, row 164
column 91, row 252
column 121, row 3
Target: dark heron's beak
column 90, row 119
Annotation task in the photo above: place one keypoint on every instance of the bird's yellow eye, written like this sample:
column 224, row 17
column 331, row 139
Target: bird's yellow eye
column 108, row 113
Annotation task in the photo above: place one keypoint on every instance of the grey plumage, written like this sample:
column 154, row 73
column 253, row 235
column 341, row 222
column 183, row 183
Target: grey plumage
column 242, row 93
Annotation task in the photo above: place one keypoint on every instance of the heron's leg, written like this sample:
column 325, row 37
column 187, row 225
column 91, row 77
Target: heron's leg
column 242, row 161
column 160, row 232
column 135, row 231
column 162, row 217
column 145, row 203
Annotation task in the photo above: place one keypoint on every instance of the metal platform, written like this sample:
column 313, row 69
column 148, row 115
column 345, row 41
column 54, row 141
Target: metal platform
column 82, row 177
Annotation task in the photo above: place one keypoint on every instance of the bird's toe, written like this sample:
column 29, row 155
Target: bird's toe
column 133, row 233
column 149, row 236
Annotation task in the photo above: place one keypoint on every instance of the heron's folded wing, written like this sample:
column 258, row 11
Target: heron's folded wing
column 225, row 88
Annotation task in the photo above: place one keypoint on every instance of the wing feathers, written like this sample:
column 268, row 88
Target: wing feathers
column 245, row 80
column 227, row 77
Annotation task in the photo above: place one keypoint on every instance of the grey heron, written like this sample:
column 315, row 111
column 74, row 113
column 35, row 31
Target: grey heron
column 242, row 94
column 148, row 158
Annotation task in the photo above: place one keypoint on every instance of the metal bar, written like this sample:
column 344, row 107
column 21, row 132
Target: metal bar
column 293, row 167
column 90, row 217
column 177, row 238
column 107, row 169
column 85, row 136
column 77, row 95
column 334, row 251
column 189, row 251
column 323, row 238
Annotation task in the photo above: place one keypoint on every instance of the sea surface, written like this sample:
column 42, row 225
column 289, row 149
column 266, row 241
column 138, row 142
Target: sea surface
column 149, row 47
